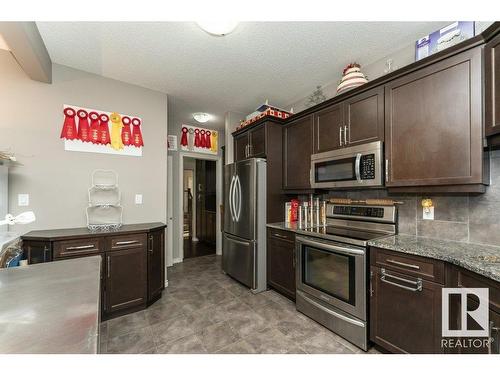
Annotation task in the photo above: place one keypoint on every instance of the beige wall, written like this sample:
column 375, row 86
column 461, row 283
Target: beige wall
column 57, row 180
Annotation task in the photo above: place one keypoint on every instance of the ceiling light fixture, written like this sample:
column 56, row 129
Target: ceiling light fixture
column 218, row 27
column 201, row 117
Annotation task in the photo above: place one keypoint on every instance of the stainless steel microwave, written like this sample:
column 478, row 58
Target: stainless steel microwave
column 350, row 167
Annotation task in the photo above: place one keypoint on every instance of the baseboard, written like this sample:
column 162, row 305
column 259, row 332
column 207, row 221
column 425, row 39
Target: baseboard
column 177, row 260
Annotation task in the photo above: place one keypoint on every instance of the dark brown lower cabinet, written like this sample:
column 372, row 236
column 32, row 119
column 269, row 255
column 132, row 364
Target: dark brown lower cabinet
column 281, row 262
column 404, row 319
column 156, row 265
column 133, row 261
column 126, row 275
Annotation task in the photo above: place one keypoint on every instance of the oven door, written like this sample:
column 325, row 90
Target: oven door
column 333, row 272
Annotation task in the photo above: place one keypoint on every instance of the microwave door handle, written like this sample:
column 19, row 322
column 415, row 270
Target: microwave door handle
column 357, row 167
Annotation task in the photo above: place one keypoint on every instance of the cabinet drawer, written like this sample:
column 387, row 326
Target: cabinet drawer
column 79, row 247
column 281, row 235
column 469, row 280
column 127, row 241
column 429, row 269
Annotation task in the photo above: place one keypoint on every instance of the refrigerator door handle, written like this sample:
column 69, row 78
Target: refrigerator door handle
column 238, row 210
column 231, row 187
column 233, row 200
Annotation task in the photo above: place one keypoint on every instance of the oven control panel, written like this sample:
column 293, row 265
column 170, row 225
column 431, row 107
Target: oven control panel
column 377, row 212
column 367, row 167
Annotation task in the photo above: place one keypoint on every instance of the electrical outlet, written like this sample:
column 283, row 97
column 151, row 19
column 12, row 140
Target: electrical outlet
column 428, row 213
column 138, row 199
column 23, row 199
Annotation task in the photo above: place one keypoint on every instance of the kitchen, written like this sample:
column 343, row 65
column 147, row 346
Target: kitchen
column 341, row 222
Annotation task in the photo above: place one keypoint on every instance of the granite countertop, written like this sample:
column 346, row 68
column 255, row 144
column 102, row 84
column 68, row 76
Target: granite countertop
column 51, row 307
column 481, row 259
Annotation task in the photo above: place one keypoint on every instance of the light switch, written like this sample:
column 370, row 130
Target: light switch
column 428, row 213
column 138, row 199
column 23, row 199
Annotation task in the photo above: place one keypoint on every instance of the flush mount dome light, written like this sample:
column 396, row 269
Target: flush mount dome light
column 201, row 116
column 218, row 27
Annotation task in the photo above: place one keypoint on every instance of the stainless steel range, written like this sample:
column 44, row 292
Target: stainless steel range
column 332, row 267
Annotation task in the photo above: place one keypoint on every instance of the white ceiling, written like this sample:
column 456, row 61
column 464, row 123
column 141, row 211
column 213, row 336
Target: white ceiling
column 279, row 61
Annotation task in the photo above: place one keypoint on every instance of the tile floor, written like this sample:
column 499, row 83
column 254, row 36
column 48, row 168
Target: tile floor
column 205, row 311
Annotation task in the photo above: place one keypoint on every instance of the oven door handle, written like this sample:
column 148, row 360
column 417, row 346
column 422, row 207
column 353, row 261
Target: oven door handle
column 333, row 248
column 357, row 167
column 331, row 312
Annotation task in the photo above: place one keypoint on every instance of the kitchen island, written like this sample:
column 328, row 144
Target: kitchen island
column 51, row 307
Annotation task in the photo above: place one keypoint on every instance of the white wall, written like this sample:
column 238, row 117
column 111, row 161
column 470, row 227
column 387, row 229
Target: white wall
column 57, row 180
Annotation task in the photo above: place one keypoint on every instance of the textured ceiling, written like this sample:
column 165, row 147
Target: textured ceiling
column 279, row 61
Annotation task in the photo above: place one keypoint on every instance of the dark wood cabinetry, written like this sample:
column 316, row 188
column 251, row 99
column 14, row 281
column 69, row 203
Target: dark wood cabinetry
column 406, row 303
column 357, row 120
column 297, row 149
column 364, row 117
column 251, row 143
column 125, row 283
column 133, row 272
column 405, row 312
column 156, row 264
column 492, row 87
column 329, row 128
column 433, row 125
column 281, row 261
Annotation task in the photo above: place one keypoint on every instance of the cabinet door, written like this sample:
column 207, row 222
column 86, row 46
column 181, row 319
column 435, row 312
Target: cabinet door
column 126, row 284
column 437, row 103
column 281, row 266
column 297, row 148
column 241, row 147
column 403, row 320
column 258, row 142
column 37, row 251
column 156, row 264
column 364, row 117
column 329, row 128
column 492, row 86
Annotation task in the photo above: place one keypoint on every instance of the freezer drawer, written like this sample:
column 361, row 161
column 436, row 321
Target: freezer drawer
column 238, row 260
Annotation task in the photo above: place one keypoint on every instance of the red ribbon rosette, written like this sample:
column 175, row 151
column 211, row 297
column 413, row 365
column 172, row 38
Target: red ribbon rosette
column 83, row 126
column 208, row 143
column 69, row 127
column 184, row 137
column 203, row 139
column 126, row 131
column 94, row 127
column 136, row 133
column 104, row 137
column 197, row 141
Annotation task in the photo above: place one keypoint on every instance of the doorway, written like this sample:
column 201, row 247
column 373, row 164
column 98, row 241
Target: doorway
column 199, row 207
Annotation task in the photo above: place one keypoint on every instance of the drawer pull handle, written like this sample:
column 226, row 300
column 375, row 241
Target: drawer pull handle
column 280, row 236
column 83, row 247
column 119, row 243
column 418, row 283
column 414, row 266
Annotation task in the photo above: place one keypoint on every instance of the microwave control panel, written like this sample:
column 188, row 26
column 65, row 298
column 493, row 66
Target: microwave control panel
column 367, row 167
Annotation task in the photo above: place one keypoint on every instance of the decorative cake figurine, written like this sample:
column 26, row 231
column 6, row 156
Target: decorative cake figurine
column 351, row 77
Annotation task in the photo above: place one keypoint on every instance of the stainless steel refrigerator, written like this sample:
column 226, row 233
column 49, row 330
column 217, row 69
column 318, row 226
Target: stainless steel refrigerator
column 244, row 243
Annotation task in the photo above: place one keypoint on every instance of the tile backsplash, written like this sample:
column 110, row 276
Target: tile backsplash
column 468, row 218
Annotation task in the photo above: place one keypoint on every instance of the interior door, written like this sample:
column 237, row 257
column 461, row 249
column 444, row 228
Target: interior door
column 200, row 200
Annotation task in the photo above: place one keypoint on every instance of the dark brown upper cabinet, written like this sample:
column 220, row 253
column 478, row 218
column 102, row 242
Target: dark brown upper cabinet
column 357, row 120
column 433, row 127
column 297, row 149
column 250, row 144
column 329, row 128
column 492, row 86
column 364, row 117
